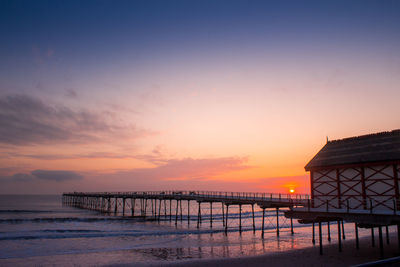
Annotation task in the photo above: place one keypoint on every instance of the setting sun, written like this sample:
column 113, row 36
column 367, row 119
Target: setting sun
column 291, row 191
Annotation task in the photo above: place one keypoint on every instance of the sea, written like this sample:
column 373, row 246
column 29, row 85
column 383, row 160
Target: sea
column 38, row 230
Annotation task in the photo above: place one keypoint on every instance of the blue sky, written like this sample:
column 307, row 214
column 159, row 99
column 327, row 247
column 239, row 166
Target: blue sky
column 220, row 90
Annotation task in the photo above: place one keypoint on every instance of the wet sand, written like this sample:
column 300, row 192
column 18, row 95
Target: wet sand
column 308, row 256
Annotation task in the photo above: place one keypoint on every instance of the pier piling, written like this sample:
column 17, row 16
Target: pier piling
column 329, row 231
column 262, row 227
column 254, row 223
column 372, row 237
column 356, row 232
column 313, row 233
column 380, row 242
column 320, row 238
column 339, row 237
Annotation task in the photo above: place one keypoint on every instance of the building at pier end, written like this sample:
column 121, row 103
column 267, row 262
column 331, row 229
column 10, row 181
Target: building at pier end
column 357, row 173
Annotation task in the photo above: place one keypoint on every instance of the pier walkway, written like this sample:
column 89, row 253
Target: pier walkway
column 155, row 204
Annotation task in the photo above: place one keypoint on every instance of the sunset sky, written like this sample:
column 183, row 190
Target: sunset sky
column 199, row 95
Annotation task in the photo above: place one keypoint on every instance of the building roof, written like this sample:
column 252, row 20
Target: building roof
column 378, row 147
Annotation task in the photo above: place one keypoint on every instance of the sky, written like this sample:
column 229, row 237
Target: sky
column 197, row 95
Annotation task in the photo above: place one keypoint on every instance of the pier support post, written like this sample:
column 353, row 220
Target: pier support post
column 254, row 223
column 240, row 218
column 165, row 209
column 176, row 212
column 133, row 206
column 116, row 206
column 170, row 209
column 344, row 236
column 372, row 236
column 291, row 226
column 313, row 233
column 320, row 238
column 380, row 242
column 188, row 211
column 159, row 210
column 180, row 203
column 198, row 216
column 211, row 218
column 387, row 234
column 357, row 241
column 226, row 220
column 223, row 219
column 339, row 236
column 109, row 205
column 154, row 207
column 145, row 207
column 277, row 221
column 329, row 231
column 262, row 227
column 123, row 206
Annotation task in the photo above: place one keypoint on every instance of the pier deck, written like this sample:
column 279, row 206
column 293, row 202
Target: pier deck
column 109, row 202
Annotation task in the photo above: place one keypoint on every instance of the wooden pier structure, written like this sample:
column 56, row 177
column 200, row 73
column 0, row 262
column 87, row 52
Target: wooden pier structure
column 154, row 205
column 371, row 218
column 355, row 180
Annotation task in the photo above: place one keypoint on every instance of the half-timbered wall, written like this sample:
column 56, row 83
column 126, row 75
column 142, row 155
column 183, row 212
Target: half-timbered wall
column 351, row 187
column 324, row 188
column 380, row 185
column 357, row 187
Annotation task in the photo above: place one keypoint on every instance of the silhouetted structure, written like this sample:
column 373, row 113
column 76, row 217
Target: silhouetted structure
column 355, row 180
column 359, row 172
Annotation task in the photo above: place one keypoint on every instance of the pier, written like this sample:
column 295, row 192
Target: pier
column 167, row 205
column 372, row 217
column 174, row 206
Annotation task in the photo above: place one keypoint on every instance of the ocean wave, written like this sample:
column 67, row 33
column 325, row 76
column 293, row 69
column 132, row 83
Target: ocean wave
column 64, row 234
column 64, row 219
column 26, row 211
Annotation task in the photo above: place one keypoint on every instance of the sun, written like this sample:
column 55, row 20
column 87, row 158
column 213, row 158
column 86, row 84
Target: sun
column 291, row 191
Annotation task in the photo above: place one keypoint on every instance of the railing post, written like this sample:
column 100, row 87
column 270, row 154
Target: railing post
column 348, row 207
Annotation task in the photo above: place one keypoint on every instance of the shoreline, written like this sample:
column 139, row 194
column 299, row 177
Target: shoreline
column 300, row 257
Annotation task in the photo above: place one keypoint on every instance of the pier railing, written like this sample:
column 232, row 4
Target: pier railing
column 377, row 205
column 203, row 194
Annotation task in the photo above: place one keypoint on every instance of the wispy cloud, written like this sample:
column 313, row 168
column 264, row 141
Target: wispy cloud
column 188, row 168
column 58, row 176
column 28, row 120
column 70, row 92
column 48, row 175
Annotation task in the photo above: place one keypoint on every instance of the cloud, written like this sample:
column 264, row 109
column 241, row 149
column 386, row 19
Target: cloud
column 156, row 157
column 47, row 175
column 58, row 176
column 22, row 177
column 69, row 92
column 27, row 120
column 189, row 169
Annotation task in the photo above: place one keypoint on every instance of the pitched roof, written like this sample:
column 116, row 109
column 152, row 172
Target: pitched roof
column 384, row 146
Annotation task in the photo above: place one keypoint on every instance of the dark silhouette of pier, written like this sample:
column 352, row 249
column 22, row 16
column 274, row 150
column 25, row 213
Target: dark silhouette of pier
column 167, row 205
column 152, row 205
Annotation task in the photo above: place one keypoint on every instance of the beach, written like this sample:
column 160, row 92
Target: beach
column 308, row 256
